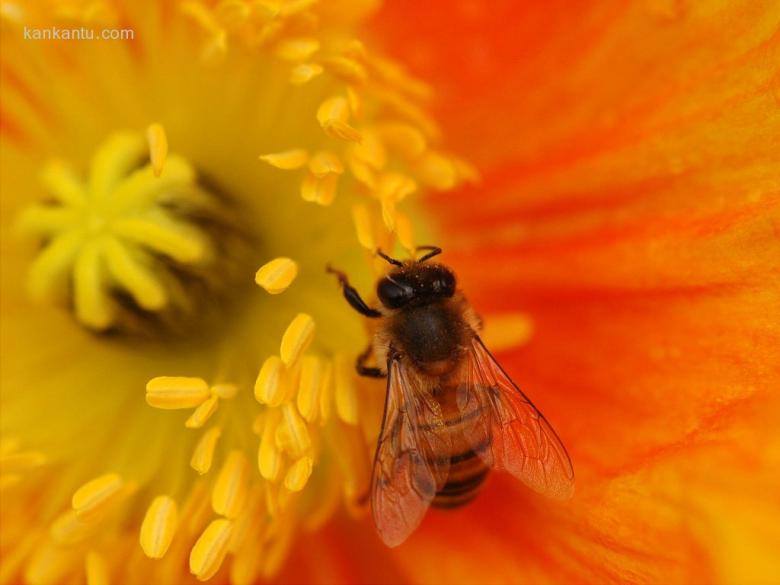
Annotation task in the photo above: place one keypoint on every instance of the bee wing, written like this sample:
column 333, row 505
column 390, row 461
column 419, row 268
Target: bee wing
column 510, row 433
column 411, row 461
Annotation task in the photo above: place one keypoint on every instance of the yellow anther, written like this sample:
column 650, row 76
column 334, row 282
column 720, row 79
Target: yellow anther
column 344, row 390
column 158, row 147
column 347, row 69
column 296, row 338
column 210, row 549
column 251, row 519
column 299, row 49
column 364, row 226
column 69, row 529
column 312, row 380
column 202, row 414
column 271, row 384
column 324, row 163
column 95, row 496
column 298, row 474
column 389, row 213
column 404, row 139
column 232, row 485
column 466, row 171
column 159, row 527
column 233, row 13
column 283, row 439
column 355, row 101
column 96, row 569
column 507, row 330
column 395, row 187
column 404, row 232
column 326, row 394
column 203, row 455
column 21, row 461
column 172, row 392
column 437, row 171
column 370, row 151
column 288, row 160
column 333, row 116
column 319, row 190
column 296, row 429
column 224, row 391
column 293, row 7
column 269, row 459
column 275, row 276
column 304, row 73
column 50, row 564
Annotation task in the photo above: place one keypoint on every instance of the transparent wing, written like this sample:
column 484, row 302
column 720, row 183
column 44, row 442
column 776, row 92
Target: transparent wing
column 412, row 456
column 520, row 439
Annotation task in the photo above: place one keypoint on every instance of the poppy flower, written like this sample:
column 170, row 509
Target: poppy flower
column 621, row 245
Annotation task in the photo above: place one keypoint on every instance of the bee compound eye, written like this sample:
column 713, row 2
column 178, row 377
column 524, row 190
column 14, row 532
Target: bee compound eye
column 392, row 294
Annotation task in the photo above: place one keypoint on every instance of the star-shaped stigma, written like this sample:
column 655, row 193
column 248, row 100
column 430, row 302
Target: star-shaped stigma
column 121, row 233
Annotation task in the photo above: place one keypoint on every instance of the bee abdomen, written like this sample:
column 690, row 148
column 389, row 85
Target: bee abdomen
column 466, row 474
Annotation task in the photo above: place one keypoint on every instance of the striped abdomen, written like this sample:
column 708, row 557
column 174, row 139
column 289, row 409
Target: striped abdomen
column 467, row 471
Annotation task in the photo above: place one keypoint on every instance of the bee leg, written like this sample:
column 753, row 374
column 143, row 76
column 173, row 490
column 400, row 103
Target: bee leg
column 367, row 371
column 352, row 296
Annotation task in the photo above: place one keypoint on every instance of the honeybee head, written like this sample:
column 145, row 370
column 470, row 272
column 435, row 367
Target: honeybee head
column 417, row 284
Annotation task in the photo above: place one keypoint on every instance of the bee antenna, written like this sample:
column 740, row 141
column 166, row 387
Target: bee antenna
column 392, row 261
column 434, row 251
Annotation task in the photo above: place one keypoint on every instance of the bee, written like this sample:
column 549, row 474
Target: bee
column 451, row 411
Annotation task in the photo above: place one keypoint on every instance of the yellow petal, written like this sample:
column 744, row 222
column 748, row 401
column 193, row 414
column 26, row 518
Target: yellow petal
column 171, row 392
column 210, row 549
column 275, row 276
column 296, row 338
column 159, row 526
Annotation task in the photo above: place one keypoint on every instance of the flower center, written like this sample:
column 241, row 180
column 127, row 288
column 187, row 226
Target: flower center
column 136, row 241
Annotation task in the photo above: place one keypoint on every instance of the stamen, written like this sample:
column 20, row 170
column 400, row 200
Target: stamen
column 404, row 232
column 276, row 275
column 224, row 391
column 314, row 376
column 288, row 160
column 404, row 139
column 96, row 569
column 507, row 330
column 296, row 338
column 69, row 529
column 159, row 527
column 203, row 455
column 333, row 116
column 210, row 549
column 269, row 459
column 271, row 384
column 298, row 474
column 202, row 413
column 299, row 49
column 319, row 190
column 172, row 392
column 95, row 496
column 231, row 488
column 364, row 226
column 304, row 73
column 345, row 393
column 158, row 147
column 11, row 462
column 297, row 430
column 437, row 171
